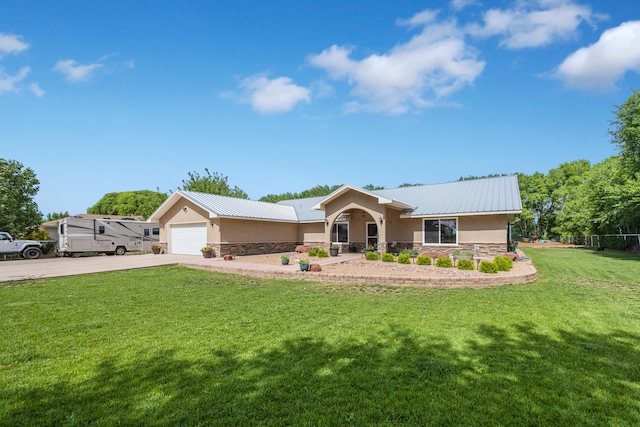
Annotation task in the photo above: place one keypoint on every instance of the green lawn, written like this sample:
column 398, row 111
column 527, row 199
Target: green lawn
column 170, row 346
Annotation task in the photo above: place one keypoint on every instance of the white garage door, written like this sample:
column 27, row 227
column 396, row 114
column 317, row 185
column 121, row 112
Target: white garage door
column 188, row 239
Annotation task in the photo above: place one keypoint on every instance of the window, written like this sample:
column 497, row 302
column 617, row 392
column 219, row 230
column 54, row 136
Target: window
column 155, row 231
column 101, row 229
column 340, row 232
column 146, row 232
column 441, row 231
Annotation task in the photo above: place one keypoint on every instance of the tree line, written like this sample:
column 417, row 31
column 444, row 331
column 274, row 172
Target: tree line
column 576, row 198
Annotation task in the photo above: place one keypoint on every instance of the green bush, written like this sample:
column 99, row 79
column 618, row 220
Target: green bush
column 444, row 261
column 503, row 263
column 313, row 252
column 388, row 258
column 322, row 253
column 371, row 256
column 466, row 264
column 423, row 260
column 613, row 242
column 404, row 258
column 488, row 267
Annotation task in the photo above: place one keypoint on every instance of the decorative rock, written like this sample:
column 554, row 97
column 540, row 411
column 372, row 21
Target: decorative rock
column 315, row 267
column 229, row 257
column 512, row 255
column 302, row 248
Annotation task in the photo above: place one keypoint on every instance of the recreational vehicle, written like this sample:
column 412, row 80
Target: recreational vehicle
column 76, row 235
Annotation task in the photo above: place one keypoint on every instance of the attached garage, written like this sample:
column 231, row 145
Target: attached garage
column 188, row 239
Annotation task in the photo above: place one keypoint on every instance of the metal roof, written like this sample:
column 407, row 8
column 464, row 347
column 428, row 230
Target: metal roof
column 231, row 207
column 477, row 196
column 304, row 208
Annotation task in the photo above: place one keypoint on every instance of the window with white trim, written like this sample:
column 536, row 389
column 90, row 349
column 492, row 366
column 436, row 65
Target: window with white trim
column 340, row 232
column 442, row 231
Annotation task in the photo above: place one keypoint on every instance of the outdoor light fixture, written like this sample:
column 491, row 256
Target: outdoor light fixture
column 326, row 221
column 362, row 214
column 381, row 219
column 184, row 209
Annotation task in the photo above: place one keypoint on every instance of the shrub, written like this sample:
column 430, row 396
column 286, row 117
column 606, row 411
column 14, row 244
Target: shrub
column 423, row 260
column 613, row 242
column 313, row 252
column 404, row 258
column 503, row 263
column 388, row 258
column 322, row 253
column 444, row 261
column 466, row 264
column 371, row 256
column 488, row 267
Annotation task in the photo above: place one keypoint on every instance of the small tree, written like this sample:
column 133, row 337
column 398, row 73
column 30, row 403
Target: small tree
column 19, row 213
column 212, row 183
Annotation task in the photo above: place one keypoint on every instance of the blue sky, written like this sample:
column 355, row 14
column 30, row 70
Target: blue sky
column 279, row 96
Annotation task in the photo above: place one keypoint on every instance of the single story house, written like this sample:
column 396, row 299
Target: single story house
column 471, row 215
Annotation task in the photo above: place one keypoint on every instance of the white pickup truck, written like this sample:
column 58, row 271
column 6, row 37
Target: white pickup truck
column 28, row 249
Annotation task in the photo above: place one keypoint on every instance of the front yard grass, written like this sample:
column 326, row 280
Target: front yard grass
column 170, row 345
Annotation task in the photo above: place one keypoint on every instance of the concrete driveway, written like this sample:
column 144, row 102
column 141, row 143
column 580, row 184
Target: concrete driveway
column 54, row 267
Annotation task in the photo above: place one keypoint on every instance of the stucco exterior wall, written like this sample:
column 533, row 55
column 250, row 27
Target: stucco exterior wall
column 311, row 233
column 482, row 229
column 245, row 231
column 183, row 212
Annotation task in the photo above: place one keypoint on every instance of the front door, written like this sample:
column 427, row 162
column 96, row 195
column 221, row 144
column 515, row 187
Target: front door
column 372, row 234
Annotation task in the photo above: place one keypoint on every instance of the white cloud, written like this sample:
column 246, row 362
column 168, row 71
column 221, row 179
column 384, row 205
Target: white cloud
column 10, row 43
column 75, row 72
column 9, row 83
column 273, row 96
column 435, row 61
column 534, row 23
column 37, row 91
column 462, row 4
column 599, row 66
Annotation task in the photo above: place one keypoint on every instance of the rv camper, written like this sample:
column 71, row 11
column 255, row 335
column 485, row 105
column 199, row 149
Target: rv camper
column 77, row 235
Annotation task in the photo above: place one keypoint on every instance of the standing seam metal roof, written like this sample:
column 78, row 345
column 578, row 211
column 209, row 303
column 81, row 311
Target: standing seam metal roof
column 478, row 196
column 232, row 207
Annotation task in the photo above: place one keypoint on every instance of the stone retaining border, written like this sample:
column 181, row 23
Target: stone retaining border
column 423, row 282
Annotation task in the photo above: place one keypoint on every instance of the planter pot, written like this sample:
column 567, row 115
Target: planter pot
column 285, row 261
column 156, row 250
column 304, row 267
column 333, row 251
column 207, row 254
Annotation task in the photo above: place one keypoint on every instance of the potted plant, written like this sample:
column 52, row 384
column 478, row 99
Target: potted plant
column 156, row 249
column 304, row 264
column 333, row 250
column 207, row 251
column 284, row 259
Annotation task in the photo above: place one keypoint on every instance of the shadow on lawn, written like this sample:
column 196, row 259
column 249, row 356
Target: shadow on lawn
column 503, row 376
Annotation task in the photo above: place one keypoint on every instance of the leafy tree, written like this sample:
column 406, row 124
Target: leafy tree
column 625, row 133
column 212, row 183
column 491, row 175
column 317, row 191
column 129, row 203
column 406, row 184
column 372, row 187
column 19, row 213
column 56, row 215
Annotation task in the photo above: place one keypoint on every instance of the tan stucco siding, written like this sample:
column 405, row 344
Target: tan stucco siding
column 482, row 229
column 245, row 231
column 177, row 214
column 311, row 232
column 353, row 200
column 471, row 229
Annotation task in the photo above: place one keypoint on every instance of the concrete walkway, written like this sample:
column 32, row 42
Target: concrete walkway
column 66, row 266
